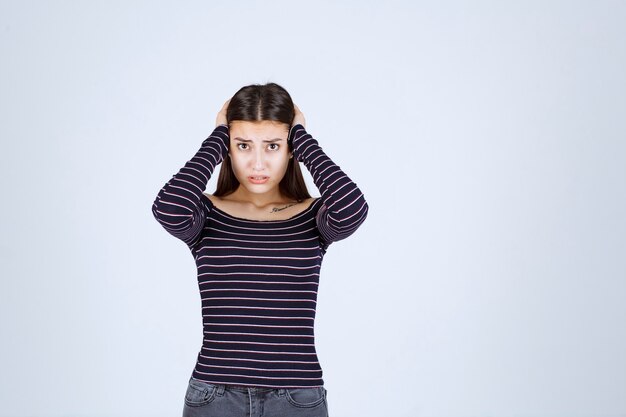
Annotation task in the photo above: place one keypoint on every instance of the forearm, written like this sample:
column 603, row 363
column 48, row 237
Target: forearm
column 345, row 207
column 178, row 206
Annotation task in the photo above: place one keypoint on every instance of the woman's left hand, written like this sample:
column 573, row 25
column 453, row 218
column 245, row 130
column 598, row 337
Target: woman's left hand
column 298, row 118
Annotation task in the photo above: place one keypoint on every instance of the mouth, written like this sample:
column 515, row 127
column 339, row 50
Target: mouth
column 260, row 179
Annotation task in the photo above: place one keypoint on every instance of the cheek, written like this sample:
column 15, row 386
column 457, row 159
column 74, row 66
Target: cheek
column 281, row 162
column 237, row 165
column 243, row 163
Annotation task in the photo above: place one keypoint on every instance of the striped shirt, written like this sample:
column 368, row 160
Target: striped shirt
column 258, row 279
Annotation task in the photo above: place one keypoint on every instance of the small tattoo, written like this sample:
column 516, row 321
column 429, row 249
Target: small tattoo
column 275, row 209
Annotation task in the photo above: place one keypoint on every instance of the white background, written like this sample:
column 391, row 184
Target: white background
column 488, row 137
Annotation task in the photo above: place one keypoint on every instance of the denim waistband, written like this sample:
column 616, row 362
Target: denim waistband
column 246, row 388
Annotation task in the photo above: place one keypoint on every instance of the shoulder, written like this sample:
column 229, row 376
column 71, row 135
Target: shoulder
column 211, row 198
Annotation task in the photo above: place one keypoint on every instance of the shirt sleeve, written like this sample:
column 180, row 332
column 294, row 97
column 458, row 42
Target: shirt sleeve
column 178, row 206
column 343, row 207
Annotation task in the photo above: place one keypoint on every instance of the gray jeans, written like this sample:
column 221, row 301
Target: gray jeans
column 204, row 399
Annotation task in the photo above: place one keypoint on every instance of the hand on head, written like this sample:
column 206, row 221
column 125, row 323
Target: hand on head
column 221, row 116
column 298, row 118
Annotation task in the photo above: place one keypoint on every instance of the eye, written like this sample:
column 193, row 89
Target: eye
column 274, row 144
column 242, row 144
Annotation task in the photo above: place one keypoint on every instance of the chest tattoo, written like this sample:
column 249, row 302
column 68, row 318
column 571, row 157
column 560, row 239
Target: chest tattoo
column 275, row 209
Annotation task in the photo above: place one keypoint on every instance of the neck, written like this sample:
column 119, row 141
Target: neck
column 260, row 200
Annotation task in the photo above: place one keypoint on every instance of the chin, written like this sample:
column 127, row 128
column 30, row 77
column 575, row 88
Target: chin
column 259, row 188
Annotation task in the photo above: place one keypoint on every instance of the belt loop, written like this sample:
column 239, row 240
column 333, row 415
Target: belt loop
column 220, row 389
column 281, row 392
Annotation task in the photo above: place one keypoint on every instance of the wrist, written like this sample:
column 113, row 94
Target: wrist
column 296, row 135
column 220, row 137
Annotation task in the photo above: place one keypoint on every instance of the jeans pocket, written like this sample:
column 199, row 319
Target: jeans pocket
column 199, row 393
column 306, row 397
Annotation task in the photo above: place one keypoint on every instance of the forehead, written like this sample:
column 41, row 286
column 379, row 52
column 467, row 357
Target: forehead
column 265, row 129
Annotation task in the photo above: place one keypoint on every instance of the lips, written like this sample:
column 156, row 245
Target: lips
column 260, row 179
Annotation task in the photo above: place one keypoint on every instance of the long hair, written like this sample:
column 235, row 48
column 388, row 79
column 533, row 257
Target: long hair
column 254, row 103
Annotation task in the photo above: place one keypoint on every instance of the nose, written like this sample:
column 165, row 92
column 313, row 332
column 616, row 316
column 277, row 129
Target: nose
column 259, row 162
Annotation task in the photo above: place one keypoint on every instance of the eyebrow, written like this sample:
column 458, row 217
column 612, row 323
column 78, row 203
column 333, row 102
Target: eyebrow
column 267, row 141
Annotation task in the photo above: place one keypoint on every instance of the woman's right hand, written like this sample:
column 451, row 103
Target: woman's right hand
column 221, row 116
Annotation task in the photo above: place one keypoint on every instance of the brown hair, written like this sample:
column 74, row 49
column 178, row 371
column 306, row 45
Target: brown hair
column 254, row 103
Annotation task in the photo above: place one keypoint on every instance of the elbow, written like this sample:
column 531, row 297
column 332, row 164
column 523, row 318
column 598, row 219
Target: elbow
column 335, row 229
column 366, row 209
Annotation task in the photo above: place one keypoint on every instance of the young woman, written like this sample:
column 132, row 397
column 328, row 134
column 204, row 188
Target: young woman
column 258, row 243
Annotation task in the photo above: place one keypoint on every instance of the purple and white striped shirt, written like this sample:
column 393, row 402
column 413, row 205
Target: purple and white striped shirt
column 258, row 279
